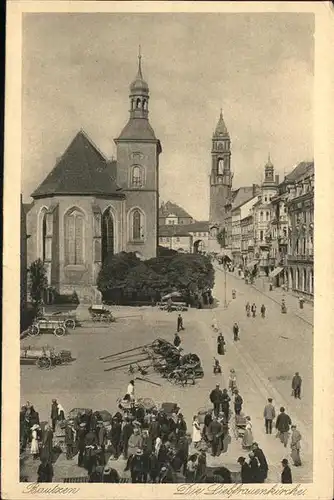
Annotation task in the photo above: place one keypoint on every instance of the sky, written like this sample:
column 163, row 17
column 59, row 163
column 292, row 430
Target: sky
column 258, row 68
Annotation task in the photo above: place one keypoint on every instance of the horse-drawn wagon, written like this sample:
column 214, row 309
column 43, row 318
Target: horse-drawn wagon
column 100, row 313
column 45, row 357
column 47, row 324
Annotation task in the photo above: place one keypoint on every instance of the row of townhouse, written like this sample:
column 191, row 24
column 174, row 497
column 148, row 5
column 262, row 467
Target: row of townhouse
column 273, row 229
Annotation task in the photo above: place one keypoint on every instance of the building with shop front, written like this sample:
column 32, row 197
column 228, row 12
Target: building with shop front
column 89, row 207
column 247, row 241
column 262, row 216
column 299, row 266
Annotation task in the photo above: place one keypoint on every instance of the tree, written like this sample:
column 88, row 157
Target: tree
column 38, row 283
column 115, row 269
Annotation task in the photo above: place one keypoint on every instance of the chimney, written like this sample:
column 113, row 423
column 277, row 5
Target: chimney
column 254, row 189
column 277, row 179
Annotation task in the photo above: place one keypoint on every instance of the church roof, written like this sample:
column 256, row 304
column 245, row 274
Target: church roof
column 139, row 85
column 137, row 129
column 221, row 129
column 82, row 170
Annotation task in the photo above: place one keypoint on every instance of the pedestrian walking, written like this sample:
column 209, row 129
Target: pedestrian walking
column 286, row 476
column 245, row 470
column 234, row 294
column 180, row 323
column 232, row 381
column 45, row 472
column 269, row 415
column 236, row 332
column 197, row 436
column 69, row 439
column 263, row 464
column 54, row 414
column 177, row 340
column 47, row 443
column 217, row 369
column 200, row 466
column 226, row 404
column 81, row 434
column 301, row 302
column 253, row 309
column 263, row 311
column 295, row 446
column 215, row 430
column 296, row 385
column 34, row 447
column 283, row 423
column 221, row 344
column 283, row 307
column 238, row 402
column 247, row 439
column 214, row 325
column 216, row 397
column 248, row 309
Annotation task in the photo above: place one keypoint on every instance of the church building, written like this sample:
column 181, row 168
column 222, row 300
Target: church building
column 89, row 207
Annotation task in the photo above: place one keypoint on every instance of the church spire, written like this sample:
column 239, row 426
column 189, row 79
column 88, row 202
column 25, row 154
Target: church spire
column 221, row 129
column 139, row 93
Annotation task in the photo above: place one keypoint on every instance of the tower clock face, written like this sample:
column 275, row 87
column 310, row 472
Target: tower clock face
column 220, row 146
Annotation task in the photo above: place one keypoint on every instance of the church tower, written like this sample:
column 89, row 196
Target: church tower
column 138, row 152
column 220, row 178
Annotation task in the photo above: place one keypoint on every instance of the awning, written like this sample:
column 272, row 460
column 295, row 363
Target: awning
column 275, row 272
column 252, row 264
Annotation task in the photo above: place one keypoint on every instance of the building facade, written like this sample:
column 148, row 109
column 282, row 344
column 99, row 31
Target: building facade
column 171, row 213
column 188, row 238
column 88, row 207
column 300, row 211
column 243, row 202
column 262, row 217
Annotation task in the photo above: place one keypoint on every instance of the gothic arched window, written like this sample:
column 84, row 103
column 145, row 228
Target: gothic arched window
column 136, row 221
column 107, row 234
column 74, row 237
column 42, row 230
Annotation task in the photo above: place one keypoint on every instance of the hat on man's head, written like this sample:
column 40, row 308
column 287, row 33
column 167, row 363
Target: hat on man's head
column 241, row 460
column 284, row 461
column 139, row 452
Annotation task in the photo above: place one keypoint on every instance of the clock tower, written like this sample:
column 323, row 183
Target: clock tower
column 220, row 181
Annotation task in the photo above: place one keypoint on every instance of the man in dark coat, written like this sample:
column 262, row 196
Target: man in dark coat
column 296, row 385
column 286, row 476
column 269, row 415
column 246, row 476
column 153, row 467
column 254, row 469
column 81, row 434
column 182, row 451
column 47, row 444
column 110, row 475
column 154, row 429
column 115, row 437
column 69, row 440
column 238, row 402
column 226, row 404
column 177, row 340
column 45, row 472
column 179, row 323
column 235, row 331
column 137, row 467
column 54, row 414
column 283, row 423
column 181, row 425
column 101, row 441
column 215, row 430
column 263, row 464
column 126, row 433
column 216, row 397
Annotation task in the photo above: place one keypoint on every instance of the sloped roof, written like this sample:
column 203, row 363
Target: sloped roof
column 137, row 128
column 173, row 230
column 303, row 169
column 201, row 225
column 82, row 169
column 169, row 208
column 242, row 195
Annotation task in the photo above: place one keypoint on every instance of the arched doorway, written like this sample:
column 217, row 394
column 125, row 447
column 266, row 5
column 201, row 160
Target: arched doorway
column 108, row 235
column 199, row 246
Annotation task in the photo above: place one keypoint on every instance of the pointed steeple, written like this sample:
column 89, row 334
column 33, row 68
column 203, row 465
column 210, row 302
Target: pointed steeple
column 221, row 129
column 139, row 74
column 269, row 171
column 139, row 86
column 269, row 163
column 139, row 93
